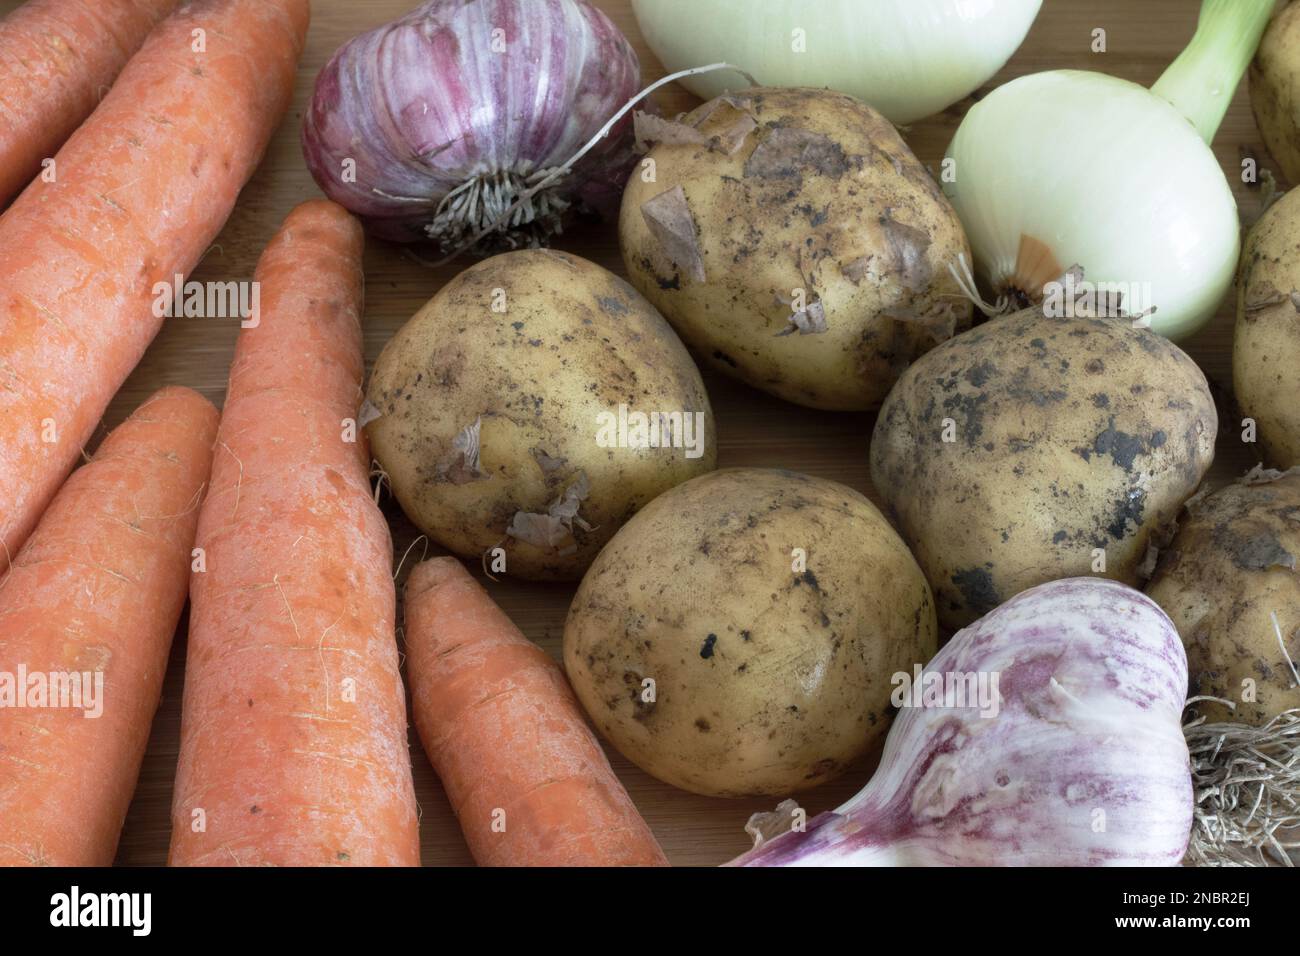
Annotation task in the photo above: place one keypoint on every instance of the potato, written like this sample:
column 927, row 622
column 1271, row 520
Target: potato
column 1034, row 448
column 1230, row 568
column 1275, row 89
column 795, row 242
column 518, row 409
column 770, row 673
column 1266, row 346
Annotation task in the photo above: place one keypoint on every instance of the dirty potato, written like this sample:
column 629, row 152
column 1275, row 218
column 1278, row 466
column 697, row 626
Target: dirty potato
column 1266, row 345
column 1035, row 448
column 739, row 635
column 795, row 242
column 1275, row 89
column 1230, row 569
column 533, row 405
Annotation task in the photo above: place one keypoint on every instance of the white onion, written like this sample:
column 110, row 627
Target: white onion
column 907, row 58
column 1069, row 168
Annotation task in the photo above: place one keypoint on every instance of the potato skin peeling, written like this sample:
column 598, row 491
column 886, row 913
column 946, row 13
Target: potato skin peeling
column 771, row 674
column 818, row 267
column 489, row 401
column 1025, row 449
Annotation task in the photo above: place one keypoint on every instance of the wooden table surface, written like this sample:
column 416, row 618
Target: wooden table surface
column 753, row 429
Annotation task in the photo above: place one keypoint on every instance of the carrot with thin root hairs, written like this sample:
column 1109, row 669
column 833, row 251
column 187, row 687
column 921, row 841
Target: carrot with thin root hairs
column 141, row 190
column 293, row 734
column 526, row 776
column 57, row 59
column 87, row 614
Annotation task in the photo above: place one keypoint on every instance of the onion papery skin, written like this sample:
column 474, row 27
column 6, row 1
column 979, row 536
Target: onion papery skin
column 1111, row 178
column 425, row 104
column 1092, row 678
column 906, row 58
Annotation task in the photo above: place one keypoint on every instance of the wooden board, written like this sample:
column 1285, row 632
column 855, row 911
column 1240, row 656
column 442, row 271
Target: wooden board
column 752, row 429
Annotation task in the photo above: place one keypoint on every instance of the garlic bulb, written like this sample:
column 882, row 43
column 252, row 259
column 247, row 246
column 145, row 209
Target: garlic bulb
column 444, row 123
column 1083, row 762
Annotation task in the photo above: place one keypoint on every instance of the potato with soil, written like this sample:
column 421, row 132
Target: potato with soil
column 795, row 242
column 1035, row 448
column 1231, row 567
column 534, row 404
column 1275, row 89
column 1266, row 345
column 739, row 635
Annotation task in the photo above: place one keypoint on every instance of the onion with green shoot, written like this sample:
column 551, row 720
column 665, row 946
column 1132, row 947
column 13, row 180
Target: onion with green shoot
column 1075, row 168
column 908, row 59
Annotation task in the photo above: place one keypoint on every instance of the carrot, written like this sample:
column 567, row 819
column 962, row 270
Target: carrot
column 57, row 57
column 141, row 190
column 525, row 775
column 96, row 592
column 293, row 734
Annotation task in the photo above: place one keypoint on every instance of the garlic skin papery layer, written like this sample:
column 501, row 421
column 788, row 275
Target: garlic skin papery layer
column 1083, row 764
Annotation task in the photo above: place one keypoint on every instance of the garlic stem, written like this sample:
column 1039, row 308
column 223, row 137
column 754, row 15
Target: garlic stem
column 839, row 837
column 1201, row 81
column 609, row 124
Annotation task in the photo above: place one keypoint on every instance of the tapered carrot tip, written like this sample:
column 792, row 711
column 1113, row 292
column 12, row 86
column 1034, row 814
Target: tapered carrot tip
column 179, row 405
column 524, row 773
column 434, row 573
column 323, row 212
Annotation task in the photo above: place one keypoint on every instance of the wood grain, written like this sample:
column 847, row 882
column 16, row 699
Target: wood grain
column 753, row 429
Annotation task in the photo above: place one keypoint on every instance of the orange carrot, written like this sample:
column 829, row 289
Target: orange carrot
column 141, row 190
column 57, row 58
column 95, row 595
column 525, row 775
column 293, row 735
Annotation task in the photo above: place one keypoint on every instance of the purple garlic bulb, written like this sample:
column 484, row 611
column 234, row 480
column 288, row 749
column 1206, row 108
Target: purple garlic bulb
column 436, row 125
column 1077, row 758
